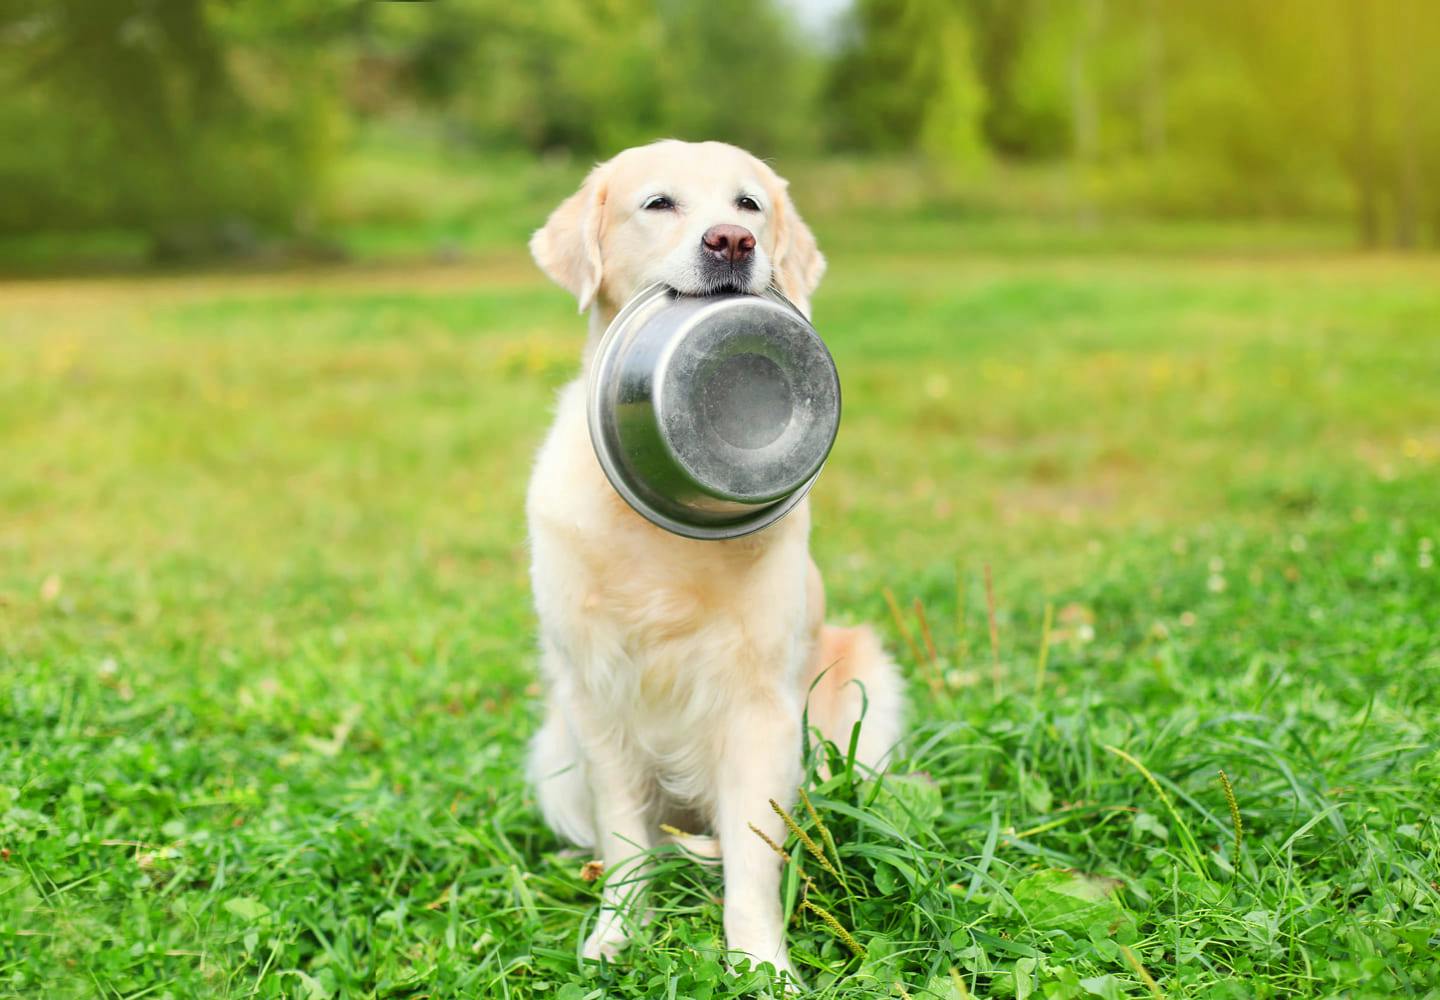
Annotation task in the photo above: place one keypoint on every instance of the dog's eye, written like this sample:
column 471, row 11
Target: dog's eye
column 747, row 203
column 659, row 203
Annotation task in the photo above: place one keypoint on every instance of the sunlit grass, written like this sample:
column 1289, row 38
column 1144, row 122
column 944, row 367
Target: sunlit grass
column 266, row 650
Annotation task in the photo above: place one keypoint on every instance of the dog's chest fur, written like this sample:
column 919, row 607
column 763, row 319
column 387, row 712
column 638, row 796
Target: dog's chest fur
column 658, row 636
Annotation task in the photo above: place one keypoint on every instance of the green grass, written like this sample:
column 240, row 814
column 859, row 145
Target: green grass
column 266, row 652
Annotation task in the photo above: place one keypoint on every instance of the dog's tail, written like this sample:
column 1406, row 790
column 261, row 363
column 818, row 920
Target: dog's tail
column 853, row 680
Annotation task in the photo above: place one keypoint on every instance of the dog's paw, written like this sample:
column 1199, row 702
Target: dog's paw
column 608, row 937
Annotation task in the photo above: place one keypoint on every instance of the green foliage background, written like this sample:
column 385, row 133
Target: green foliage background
column 209, row 126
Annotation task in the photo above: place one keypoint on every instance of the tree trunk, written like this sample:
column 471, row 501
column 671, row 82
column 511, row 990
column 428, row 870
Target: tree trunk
column 1409, row 193
column 1152, row 107
column 1362, row 122
column 1084, row 111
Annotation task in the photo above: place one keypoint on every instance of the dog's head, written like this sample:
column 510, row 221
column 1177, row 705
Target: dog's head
column 702, row 217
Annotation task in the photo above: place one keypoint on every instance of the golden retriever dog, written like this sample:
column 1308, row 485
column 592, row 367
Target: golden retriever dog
column 678, row 671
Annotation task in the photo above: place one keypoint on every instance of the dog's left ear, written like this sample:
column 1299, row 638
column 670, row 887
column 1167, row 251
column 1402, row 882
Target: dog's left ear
column 567, row 247
column 799, row 265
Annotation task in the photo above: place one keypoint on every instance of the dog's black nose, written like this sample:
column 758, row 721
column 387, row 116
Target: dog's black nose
column 731, row 244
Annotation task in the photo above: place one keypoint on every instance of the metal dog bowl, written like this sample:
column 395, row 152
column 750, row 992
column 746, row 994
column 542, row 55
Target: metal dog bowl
column 712, row 416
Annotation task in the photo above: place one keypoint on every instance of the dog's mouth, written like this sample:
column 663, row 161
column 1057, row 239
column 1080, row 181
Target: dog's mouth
column 719, row 278
column 707, row 288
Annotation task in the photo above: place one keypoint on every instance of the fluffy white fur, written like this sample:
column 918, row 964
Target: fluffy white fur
column 678, row 670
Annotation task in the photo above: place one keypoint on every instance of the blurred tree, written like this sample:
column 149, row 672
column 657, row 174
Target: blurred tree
column 1152, row 89
column 206, row 122
column 904, row 78
column 1084, row 102
column 1330, row 84
column 1394, row 143
column 1024, row 115
column 737, row 71
column 591, row 76
column 199, row 122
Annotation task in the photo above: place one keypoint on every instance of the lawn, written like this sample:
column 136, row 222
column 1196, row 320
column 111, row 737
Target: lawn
column 266, row 650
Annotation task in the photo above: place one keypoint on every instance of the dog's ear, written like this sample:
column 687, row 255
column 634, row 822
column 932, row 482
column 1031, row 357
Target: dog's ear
column 799, row 265
column 567, row 247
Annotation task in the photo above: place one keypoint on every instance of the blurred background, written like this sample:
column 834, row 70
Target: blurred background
column 173, row 130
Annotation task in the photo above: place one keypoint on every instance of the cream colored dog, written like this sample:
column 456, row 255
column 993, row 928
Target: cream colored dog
column 678, row 670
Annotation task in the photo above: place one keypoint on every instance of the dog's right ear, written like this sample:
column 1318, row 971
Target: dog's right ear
column 567, row 247
column 799, row 264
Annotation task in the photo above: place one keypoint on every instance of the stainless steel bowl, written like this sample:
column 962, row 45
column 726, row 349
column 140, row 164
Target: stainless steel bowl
column 712, row 416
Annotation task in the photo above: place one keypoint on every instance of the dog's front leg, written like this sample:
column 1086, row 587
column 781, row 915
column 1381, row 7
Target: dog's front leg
column 760, row 761
column 624, row 835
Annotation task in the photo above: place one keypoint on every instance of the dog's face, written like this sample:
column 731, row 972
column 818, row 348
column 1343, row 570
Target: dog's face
column 701, row 217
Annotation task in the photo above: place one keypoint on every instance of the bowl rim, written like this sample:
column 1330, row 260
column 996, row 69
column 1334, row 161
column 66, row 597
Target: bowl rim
column 616, row 472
